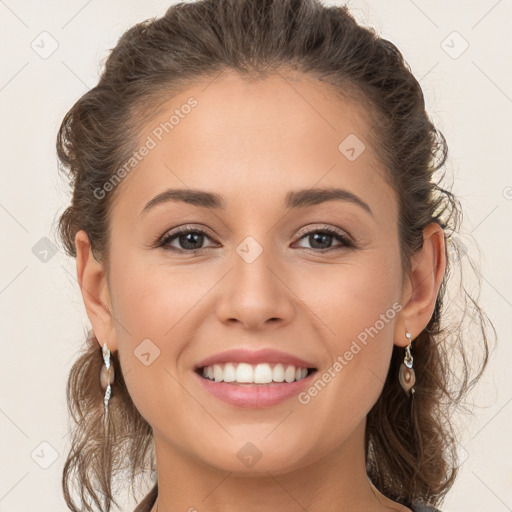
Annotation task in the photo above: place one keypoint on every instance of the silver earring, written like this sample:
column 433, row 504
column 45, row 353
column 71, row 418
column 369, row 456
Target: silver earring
column 406, row 375
column 106, row 377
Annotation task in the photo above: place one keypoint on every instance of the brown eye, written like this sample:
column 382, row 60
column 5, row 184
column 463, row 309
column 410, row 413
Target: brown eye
column 189, row 240
column 320, row 239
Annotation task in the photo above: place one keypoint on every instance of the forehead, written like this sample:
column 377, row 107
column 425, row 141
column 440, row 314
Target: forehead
column 250, row 139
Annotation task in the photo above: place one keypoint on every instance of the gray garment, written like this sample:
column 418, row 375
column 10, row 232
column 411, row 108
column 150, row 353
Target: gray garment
column 416, row 507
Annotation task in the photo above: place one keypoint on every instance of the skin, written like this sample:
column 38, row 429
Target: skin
column 252, row 143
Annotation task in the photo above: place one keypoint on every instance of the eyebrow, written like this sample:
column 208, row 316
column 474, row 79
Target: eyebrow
column 294, row 199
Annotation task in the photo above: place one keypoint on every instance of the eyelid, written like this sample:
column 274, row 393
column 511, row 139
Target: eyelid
column 330, row 229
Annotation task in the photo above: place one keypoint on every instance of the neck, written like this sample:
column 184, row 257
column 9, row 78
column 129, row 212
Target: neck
column 339, row 477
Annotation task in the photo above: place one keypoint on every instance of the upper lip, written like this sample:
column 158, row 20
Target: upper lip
column 243, row 355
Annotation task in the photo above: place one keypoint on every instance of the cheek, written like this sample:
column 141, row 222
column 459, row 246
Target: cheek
column 151, row 297
column 148, row 306
column 352, row 297
column 356, row 309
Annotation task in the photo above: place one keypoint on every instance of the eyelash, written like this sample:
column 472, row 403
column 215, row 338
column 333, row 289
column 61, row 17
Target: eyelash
column 165, row 241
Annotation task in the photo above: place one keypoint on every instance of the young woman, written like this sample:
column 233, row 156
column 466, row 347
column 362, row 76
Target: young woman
column 262, row 250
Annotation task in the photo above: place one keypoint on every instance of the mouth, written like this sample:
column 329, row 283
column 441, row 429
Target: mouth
column 245, row 374
column 244, row 385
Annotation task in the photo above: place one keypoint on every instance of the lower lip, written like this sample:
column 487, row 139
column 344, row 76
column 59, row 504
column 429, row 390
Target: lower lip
column 255, row 395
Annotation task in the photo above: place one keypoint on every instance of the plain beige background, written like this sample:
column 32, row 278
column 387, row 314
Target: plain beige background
column 51, row 55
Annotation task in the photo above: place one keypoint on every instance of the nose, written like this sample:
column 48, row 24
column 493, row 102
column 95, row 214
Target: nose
column 255, row 293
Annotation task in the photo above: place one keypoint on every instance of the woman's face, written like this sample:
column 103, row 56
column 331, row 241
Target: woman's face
column 265, row 276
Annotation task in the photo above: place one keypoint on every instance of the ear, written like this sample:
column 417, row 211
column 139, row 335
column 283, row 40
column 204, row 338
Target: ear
column 93, row 285
column 422, row 285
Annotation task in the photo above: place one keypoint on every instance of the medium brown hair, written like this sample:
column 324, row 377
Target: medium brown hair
column 410, row 444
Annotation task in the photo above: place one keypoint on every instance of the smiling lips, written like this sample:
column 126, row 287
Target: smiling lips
column 248, row 378
column 254, row 366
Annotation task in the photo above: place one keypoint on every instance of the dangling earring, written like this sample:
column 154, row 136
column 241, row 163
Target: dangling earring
column 406, row 375
column 106, row 378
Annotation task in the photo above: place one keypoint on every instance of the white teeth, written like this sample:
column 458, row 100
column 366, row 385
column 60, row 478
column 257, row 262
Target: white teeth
column 262, row 373
column 217, row 372
column 244, row 373
column 278, row 373
column 229, row 374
